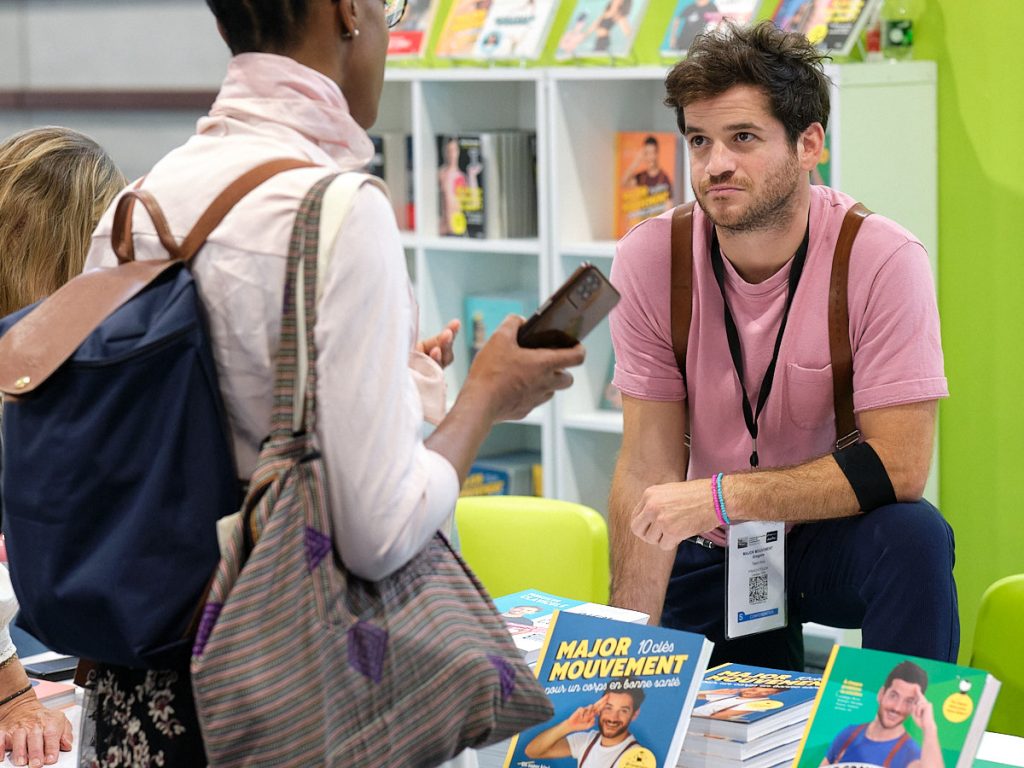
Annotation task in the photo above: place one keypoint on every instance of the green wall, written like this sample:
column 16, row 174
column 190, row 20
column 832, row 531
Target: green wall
column 981, row 285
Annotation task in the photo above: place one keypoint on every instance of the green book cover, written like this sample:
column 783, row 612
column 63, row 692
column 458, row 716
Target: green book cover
column 876, row 708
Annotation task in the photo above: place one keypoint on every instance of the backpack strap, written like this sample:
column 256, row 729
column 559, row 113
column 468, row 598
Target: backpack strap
column 839, row 329
column 39, row 343
column 838, row 311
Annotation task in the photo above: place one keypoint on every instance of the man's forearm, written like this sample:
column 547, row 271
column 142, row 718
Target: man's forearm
column 816, row 490
column 640, row 571
column 545, row 741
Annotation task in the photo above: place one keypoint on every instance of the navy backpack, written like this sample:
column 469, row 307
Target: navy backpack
column 116, row 459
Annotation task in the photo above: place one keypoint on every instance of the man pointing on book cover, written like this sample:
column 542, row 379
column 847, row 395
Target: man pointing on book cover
column 885, row 741
column 600, row 747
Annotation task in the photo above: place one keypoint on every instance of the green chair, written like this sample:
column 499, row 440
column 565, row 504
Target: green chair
column 998, row 649
column 527, row 542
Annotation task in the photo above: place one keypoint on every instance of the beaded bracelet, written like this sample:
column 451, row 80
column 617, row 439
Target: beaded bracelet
column 719, row 499
column 8, row 660
column 13, row 696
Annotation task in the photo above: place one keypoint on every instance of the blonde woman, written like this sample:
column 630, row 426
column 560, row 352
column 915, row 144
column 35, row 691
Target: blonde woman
column 54, row 185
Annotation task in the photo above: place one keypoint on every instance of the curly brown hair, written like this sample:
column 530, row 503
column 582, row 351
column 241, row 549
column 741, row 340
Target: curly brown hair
column 784, row 65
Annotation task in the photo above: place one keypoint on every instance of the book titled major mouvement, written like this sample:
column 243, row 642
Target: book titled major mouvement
column 622, row 694
column 887, row 709
column 742, row 702
column 528, row 615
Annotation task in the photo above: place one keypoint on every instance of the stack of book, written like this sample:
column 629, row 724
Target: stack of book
column 528, row 616
column 487, row 184
column 748, row 717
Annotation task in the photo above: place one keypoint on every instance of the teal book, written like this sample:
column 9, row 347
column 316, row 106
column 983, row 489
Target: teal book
column 622, row 694
column 887, row 709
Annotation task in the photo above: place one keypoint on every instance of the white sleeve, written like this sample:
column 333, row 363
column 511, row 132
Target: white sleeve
column 388, row 492
column 8, row 609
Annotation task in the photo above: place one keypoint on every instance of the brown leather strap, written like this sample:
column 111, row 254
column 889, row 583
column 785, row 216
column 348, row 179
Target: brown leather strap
column 227, row 199
column 895, row 750
column 121, row 235
column 846, row 745
column 47, row 336
column 682, row 282
column 839, row 328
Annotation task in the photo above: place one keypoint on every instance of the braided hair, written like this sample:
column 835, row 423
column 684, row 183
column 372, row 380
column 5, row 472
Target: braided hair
column 261, row 26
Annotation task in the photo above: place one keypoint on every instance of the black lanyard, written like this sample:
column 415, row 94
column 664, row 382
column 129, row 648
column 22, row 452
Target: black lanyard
column 796, row 270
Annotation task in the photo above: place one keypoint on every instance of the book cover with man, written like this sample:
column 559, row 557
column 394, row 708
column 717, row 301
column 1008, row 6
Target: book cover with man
column 622, row 694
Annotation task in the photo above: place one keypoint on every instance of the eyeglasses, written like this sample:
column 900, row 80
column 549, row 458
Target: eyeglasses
column 394, row 10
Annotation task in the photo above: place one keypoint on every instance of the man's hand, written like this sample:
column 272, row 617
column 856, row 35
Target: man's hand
column 513, row 380
column 923, row 715
column 439, row 347
column 669, row 513
column 33, row 733
column 583, row 718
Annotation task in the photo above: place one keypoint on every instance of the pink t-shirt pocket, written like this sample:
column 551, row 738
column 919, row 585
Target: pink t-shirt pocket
column 809, row 395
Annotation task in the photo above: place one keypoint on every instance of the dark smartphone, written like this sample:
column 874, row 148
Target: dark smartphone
column 53, row 669
column 571, row 312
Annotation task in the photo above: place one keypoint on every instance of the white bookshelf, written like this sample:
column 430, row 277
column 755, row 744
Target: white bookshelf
column 883, row 133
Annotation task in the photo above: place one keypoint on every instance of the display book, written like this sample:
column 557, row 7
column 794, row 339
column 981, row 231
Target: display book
column 878, row 708
column 748, row 717
column 528, row 615
column 649, row 176
column 691, row 17
column 832, row 25
column 622, row 694
column 392, row 163
column 487, row 185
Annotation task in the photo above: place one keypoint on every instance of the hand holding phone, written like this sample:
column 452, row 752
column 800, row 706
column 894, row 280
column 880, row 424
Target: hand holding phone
column 571, row 312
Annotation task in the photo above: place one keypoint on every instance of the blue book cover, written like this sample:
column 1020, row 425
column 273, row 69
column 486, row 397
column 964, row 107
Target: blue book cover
column 622, row 695
column 742, row 702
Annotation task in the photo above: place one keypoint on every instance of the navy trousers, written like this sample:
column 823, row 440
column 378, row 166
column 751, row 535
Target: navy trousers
column 889, row 572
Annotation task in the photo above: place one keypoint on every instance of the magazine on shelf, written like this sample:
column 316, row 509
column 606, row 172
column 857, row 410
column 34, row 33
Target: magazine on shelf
column 832, row 25
column 528, row 615
column 601, row 28
column 742, row 702
column 622, row 694
column 691, row 17
column 877, row 708
column 408, row 40
column 461, row 30
column 647, row 179
column 515, row 29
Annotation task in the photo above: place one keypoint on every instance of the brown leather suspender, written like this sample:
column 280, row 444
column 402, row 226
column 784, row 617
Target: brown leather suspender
column 838, row 311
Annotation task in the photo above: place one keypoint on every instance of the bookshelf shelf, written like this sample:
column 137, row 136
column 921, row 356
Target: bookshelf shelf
column 595, row 421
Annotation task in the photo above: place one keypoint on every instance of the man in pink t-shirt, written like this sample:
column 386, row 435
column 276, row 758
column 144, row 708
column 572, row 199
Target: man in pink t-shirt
column 863, row 549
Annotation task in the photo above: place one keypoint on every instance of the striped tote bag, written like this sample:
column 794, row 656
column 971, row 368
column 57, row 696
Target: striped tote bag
column 297, row 661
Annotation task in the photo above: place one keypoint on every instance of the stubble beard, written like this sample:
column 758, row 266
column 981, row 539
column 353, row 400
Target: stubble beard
column 770, row 211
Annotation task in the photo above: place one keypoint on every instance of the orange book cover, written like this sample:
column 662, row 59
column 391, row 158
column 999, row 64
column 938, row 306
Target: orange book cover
column 645, row 177
column 53, row 694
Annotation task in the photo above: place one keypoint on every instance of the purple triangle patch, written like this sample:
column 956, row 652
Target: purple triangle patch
column 367, row 646
column 211, row 612
column 317, row 547
column 507, row 675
